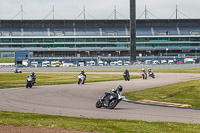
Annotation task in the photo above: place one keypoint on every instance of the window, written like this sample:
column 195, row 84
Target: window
column 17, row 40
column 90, row 39
column 27, row 40
column 80, row 40
column 38, row 40
column 69, row 39
column 112, row 40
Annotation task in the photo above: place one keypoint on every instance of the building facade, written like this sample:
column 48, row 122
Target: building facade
column 92, row 38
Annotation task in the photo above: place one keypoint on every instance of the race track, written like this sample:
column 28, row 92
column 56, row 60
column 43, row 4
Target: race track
column 79, row 100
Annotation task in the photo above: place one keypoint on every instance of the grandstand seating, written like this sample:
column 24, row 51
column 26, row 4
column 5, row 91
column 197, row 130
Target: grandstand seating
column 143, row 31
column 87, row 31
column 67, row 31
column 190, row 30
column 7, row 31
column 165, row 30
column 114, row 31
column 100, row 31
column 35, row 32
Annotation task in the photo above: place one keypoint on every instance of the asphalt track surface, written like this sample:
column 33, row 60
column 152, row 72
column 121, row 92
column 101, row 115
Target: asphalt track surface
column 79, row 100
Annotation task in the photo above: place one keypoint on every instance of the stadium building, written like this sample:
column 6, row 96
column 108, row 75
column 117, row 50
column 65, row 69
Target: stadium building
column 105, row 38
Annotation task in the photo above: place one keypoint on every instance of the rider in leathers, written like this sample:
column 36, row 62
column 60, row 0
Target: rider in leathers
column 150, row 71
column 33, row 75
column 107, row 94
column 126, row 72
column 83, row 73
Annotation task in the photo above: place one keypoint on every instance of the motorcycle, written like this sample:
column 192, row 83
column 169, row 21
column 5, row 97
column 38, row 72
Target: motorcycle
column 151, row 74
column 126, row 77
column 144, row 75
column 110, row 100
column 17, row 71
column 81, row 79
column 29, row 82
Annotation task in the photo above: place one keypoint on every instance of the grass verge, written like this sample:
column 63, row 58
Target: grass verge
column 10, row 80
column 7, row 60
column 101, row 125
column 183, row 93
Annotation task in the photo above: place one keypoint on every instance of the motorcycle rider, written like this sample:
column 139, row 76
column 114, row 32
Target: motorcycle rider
column 33, row 75
column 150, row 71
column 126, row 73
column 143, row 71
column 107, row 94
column 83, row 73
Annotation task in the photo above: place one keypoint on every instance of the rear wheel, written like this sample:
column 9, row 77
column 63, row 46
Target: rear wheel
column 98, row 104
column 113, row 104
column 83, row 81
column 145, row 76
column 125, row 78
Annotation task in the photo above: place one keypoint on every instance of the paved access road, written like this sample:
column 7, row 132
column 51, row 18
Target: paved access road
column 79, row 100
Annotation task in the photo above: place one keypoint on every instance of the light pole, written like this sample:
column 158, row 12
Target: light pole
column 133, row 31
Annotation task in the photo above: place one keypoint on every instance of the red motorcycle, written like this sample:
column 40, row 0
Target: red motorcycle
column 144, row 75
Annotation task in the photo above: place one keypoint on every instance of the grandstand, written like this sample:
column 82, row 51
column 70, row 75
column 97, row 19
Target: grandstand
column 106, row 38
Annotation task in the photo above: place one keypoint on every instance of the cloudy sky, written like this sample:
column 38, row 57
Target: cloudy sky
column 99, row 9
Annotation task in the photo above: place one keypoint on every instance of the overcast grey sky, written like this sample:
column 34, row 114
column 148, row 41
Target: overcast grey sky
column 100, row 9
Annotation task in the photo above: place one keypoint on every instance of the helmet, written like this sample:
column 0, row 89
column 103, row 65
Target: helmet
column 82, row 70
column 33, row 73
column 142, row 69
column 119, row 88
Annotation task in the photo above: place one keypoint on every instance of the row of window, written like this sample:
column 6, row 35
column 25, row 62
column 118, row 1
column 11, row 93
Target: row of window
column 169, row 39
column 60, row 40
column 94, row 45
column 73, row 40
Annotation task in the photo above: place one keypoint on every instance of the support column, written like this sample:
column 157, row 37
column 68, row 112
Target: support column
column 133, row 31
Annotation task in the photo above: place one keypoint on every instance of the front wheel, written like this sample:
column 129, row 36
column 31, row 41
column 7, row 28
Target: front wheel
column 26, row 85
column 79, row 81
column 98, row 104
column 113, row 104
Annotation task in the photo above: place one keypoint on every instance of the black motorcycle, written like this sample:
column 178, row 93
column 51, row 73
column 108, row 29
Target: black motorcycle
column 110, row 100
column 126, row 77
column 151, row 74
column 17, row 71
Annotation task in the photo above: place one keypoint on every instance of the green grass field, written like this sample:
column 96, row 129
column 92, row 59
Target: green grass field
column 100, row 125
column 7, row 60
column 183, row 93
column 10, row 80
